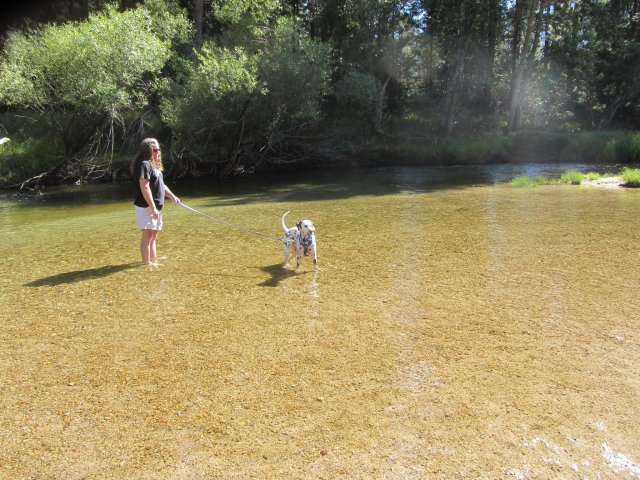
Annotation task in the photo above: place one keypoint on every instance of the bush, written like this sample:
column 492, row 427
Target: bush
column 293, row 70
column 631, row 177
column 22, row 160
column 95, row 67
column 83, row 78
column 522, row 181
column 356, row 98
column 540, row 180
column 572, row 177
column 206, row 112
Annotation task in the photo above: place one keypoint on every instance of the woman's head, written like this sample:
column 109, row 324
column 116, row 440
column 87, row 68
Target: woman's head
column 150, row 150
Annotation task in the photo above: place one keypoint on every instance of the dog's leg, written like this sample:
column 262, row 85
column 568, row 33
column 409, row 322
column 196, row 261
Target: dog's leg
column 299, row 253
column 289, row 244
column 286, row 254
column 314, row 252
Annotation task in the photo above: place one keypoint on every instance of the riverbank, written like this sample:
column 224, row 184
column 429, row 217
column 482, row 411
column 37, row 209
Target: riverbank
column 628, row 177
column 25, row 163
column 606, row 182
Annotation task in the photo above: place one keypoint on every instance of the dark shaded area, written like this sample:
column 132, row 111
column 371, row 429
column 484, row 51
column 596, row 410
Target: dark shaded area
column 81, row 275
column 311, row 185
column 278, row 273
column 31, row 13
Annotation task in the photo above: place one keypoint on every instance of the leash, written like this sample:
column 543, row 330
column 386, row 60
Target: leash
column 228, row 224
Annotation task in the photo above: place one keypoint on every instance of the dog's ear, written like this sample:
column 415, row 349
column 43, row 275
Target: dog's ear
column 299, row 225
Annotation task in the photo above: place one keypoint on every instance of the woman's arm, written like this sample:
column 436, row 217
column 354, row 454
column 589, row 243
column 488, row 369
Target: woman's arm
column 146, row 193
column 170, row 194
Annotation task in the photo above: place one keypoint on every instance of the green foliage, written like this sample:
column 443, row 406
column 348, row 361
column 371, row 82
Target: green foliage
column 356, row 98
column 21, row 160
column 541, row 180
column 294, row 74
column 522, row 181
column 445, row 73
column 231, row 98
column 572, row 177
column 631, row 177
column 95, row 67
column 170, row 23
column 84, row 79
column 471, row 149
column 214, row 93
column 245, row 12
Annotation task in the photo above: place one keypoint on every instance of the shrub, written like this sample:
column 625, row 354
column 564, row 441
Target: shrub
column 631, row 177
column 206, row 112
column 96, row 67
column 540, row 180
column 21, row 160
column 293, row 70
column 82, row 79
column 573, row 177
column 522, row 181
column 356, row 97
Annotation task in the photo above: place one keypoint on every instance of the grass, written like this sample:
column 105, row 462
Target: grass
column 522, row 181
column 593, row 176
column 572, row 177
column 540, row 180
column 631, row 177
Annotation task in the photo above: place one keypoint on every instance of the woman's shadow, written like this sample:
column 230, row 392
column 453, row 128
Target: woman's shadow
column 278, row 273
column 80, row 275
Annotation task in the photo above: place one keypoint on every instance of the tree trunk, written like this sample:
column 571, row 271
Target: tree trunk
column 455, row 87
column 84, row 5
column 486, row 85
column 380, row 108
column 524, row 62
column 198, row 21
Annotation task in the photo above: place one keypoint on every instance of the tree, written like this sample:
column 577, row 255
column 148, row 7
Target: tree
column 207, row 112
column 465, row 37
column 618, row 59
column 528, row 14
column 83, row 78
column 198, row 21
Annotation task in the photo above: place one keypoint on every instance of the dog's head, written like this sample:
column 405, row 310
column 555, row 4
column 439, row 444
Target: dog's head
column 306, row 227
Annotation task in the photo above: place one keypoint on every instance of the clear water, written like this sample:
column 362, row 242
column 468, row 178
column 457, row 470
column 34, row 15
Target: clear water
column 459, row 328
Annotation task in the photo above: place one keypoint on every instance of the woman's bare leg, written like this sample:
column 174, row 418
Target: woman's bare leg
column 148, row 246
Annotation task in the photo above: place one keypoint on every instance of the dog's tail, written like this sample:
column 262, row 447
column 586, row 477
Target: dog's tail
column 283, row 225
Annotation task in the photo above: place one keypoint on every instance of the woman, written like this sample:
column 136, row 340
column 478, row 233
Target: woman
column 146, row 169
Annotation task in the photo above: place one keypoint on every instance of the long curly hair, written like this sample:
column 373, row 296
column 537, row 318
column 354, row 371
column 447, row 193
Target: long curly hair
column 146, row 152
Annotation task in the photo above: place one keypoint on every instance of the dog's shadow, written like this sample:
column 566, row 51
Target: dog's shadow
column 278, row 273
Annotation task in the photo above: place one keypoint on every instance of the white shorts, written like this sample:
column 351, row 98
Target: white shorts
column 145, row 221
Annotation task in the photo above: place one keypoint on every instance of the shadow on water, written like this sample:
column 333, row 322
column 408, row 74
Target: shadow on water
column 316, row 184
column 80, row 275
column 278, row 273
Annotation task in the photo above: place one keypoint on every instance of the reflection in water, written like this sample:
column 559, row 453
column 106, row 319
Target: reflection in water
column 457, row 329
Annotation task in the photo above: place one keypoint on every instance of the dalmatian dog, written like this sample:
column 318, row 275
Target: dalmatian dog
column 300, row 241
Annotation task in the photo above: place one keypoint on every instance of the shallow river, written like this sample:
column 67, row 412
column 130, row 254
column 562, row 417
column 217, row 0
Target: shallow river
column 459, row 328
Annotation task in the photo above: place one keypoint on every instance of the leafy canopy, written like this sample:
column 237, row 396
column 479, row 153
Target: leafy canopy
column 100, row 66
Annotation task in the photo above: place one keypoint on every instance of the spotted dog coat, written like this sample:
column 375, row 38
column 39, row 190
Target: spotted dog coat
column 300, row 241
